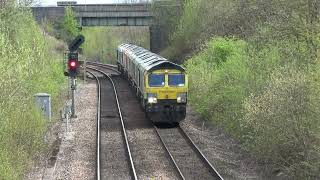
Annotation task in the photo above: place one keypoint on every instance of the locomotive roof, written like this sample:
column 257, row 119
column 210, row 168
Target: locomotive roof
column 146, row 59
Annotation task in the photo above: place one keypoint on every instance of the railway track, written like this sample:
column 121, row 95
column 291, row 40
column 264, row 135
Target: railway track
column 119, row 167
column 185, row 154
column 180, row 152
column 106, row 68
column 151, row 159
column 98, row 141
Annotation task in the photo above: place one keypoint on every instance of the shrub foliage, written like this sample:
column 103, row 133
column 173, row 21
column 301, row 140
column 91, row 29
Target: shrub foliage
column 27, row 67
column 255, row 72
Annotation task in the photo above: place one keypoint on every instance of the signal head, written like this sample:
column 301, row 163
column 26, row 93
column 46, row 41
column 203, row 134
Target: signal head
column 73, row 64
column 75, row 44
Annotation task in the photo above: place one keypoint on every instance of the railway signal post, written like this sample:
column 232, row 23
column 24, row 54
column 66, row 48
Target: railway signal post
column 73, row 65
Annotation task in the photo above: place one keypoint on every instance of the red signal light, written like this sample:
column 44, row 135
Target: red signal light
column 72, row 64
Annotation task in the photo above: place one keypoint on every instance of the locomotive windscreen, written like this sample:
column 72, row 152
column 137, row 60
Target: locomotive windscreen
column 176, row 80
column 156, row 80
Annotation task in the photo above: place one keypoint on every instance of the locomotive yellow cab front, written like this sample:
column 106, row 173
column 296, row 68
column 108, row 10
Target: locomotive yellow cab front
column 166, row 94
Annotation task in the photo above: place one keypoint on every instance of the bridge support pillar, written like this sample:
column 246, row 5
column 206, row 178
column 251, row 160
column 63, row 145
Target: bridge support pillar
column 157, row 38
column 80, row 21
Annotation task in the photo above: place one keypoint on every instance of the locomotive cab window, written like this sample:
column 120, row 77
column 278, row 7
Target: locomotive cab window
column 176, row 80
column 156, row 80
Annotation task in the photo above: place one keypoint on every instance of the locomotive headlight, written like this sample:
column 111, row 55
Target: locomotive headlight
column 152, row 98
column 181, row 97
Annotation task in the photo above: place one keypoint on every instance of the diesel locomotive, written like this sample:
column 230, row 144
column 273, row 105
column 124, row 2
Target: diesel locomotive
column 160, row 85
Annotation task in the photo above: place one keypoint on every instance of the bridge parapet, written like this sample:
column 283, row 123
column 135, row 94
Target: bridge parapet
column 100, row 14
column 112, row 7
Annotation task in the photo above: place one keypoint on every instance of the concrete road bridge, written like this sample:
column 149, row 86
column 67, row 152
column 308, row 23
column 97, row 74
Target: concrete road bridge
column 135, row 14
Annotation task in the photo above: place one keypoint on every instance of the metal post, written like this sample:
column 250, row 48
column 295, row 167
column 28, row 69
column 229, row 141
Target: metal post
column 73, row 89
column 84, row 71
column 69, row 85
column 67, row 126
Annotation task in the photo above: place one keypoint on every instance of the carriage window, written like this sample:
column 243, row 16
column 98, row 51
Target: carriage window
column 156, row 80
column 176, row 80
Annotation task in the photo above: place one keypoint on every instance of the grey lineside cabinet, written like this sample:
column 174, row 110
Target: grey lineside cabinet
column 43, row 102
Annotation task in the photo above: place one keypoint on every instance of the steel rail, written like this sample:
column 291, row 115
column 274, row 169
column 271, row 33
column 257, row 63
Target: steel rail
column 107, row 66
column 133, row 170
column 201, row 155
column 98, row 175
column 169, row 153
column 101, row 64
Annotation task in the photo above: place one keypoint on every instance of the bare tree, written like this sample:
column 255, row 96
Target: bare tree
column 28, row 3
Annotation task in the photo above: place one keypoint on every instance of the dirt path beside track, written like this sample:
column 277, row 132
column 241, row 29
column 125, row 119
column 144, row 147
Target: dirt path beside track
column 76, row 155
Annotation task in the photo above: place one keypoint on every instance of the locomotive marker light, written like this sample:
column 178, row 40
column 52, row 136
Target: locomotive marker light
column 181, row 97
column 73, row 65
column 152, row 98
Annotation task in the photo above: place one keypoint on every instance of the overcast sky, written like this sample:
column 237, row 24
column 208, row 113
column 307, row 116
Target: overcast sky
column 54, row 2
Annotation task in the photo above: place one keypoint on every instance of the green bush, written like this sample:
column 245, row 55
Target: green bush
column 261, row 85
column 267, row 95
column 218, row 78
column 28, row 65
column 282, row 123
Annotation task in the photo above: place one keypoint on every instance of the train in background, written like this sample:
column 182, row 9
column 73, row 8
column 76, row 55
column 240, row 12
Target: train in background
column 160, row 85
